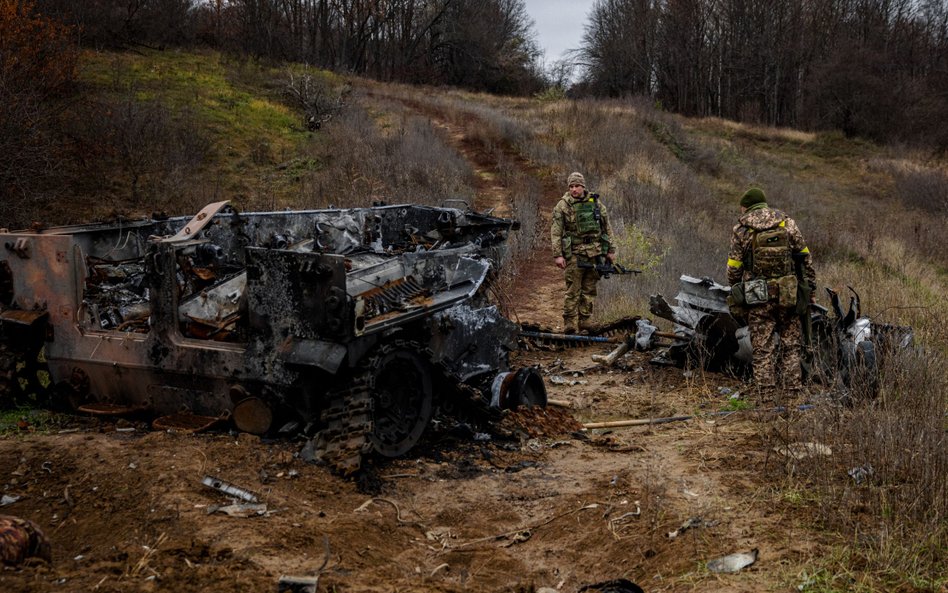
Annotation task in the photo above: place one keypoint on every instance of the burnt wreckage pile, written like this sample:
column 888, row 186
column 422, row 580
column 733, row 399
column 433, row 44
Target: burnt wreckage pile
column 844, row 349
column 350, row 326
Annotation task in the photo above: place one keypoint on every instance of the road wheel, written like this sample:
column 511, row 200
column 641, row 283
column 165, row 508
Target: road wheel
column 400, row 384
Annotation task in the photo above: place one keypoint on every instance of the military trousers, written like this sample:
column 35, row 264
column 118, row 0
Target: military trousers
column 776, row 338
column 580, row 291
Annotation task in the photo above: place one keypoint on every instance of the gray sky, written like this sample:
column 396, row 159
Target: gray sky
column 559, row 24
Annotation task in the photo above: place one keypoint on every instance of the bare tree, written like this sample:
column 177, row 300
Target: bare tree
column 37, row 66
column 618, row 48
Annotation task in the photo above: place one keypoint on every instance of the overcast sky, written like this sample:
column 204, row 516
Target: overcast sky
column 559, row 24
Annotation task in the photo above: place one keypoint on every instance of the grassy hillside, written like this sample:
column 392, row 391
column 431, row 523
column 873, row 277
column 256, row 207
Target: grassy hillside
column 167, row 131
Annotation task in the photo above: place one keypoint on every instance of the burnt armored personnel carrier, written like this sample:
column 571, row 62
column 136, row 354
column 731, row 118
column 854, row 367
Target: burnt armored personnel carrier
column 348, row 325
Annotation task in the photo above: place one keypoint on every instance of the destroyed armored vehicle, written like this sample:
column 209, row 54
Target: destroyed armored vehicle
column 844, row 348
column 347, row 325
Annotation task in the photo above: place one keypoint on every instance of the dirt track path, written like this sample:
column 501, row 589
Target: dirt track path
column 536, row 293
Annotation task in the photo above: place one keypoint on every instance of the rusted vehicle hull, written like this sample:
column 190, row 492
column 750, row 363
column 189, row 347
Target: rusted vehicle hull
column 339, row 323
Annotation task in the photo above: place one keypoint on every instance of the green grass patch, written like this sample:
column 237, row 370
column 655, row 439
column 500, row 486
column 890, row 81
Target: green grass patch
column 30, row 420
column 237, row 109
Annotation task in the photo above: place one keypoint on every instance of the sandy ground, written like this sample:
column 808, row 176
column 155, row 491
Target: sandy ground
column 535, row 503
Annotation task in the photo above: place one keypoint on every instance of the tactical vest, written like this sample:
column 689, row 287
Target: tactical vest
column 588, row 219
column 770, row 254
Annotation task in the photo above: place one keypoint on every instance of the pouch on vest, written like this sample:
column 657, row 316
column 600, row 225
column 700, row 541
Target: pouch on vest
column 783, row 290
column 755, row 292
column 771, row 253
column 738, row 310
column 737, row 295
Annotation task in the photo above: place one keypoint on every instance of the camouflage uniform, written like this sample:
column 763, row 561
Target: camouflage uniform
column 770, row 323
column 21, row 539
column 568, row 242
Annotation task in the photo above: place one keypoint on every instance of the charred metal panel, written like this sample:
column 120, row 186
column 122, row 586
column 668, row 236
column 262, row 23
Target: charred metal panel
column 216, row 306
column 472, row 342
column 327, row 356
column 401, row 290
column 300, row 295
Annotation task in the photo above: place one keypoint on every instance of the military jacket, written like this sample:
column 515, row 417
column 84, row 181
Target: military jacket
column 569, row 235
column 754, row 221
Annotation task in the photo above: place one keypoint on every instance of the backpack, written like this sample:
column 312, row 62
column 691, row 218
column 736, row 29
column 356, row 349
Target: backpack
column 770, row 254
column 771, row 264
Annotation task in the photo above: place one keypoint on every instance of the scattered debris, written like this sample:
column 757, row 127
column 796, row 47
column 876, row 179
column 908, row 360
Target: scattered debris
column 7, row 499
column 558, row 380
column 616, row 523
column 611, row 358
column 398, row 512
column 295, row 584
column 242, row 510
column 305, row 584
column 861, row 473
column 733, row 562
column 800, row 450
column 846, row 346
column 230, row 489
column 692, row 523
column 22, row 539
column 443, row 566
column 518, row 537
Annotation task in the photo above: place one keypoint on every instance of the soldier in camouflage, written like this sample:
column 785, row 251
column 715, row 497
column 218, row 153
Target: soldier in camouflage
column 579, row 234
column 769, row 267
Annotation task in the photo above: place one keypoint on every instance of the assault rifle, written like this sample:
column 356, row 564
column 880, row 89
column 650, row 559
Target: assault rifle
column 605, row 268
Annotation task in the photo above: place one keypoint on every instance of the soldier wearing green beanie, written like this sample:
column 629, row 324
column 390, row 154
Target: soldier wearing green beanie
column 772, row 280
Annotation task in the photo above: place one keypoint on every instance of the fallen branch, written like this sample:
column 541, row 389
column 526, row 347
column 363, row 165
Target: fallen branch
column 646, row 421
column 635, row 422
column 398, row 511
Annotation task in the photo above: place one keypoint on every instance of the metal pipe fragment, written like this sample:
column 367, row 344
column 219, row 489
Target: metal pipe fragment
column 571, row 337
column 226, row 488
